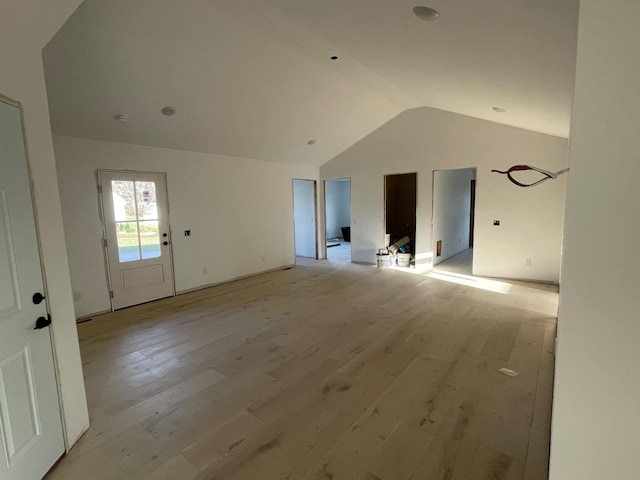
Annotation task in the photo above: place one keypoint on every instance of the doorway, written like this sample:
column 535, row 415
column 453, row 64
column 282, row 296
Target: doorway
column 31, row 437
column 400, row 194
column 304, row 218
column 453, row 218
column 337, row 208
column 137, row 236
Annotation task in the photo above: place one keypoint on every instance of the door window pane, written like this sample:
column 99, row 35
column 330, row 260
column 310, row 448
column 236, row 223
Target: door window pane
column 128, row 241
column 146, row 200
column 136, row 218
column 150, row 239
column 124, row 205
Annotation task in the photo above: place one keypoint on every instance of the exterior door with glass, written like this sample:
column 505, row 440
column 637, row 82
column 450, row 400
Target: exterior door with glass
column 137, row 236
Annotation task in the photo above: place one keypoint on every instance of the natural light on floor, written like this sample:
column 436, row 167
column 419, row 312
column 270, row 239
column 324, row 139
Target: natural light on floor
column 458, row 278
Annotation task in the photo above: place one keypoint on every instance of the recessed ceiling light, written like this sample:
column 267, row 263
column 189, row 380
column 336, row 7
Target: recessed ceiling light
column 426, row 13
column 168, row 111
column 498, row 109
column 335, row 57
column 311, row 142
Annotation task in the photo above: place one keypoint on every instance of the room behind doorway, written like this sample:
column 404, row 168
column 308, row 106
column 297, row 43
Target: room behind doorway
column 304, row 218
column 453, row 214
column 337, row 195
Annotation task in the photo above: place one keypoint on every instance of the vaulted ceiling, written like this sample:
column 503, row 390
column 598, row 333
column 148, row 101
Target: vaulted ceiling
column 255, row 79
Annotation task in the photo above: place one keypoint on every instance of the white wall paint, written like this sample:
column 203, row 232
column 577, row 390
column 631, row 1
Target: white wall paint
column 238, row 211
column 451, row 210
column 25, row 26
column 304, row 216
column 426, row 139
column 596, row 426
column 338, row 206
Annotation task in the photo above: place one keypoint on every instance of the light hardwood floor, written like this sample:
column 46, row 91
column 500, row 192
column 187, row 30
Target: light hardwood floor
column 323, row 371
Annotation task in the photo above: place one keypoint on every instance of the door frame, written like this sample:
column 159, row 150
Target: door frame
column 104, row 227
column 324, row 211
column 315, row 214
column 45, row 290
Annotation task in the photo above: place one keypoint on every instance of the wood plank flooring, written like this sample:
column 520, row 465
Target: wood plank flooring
column 321, row 372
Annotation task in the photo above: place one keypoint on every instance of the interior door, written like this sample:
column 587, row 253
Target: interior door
column 31, row 438
column 137, row 236
column 400, row 207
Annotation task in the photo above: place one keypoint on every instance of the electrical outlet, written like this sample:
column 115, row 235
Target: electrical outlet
column 527, row 262
column 77, row 296
column 262, row 258
column 204, row 270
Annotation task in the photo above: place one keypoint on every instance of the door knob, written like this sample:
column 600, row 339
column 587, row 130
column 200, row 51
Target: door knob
column 42, row 322
column 37, row 298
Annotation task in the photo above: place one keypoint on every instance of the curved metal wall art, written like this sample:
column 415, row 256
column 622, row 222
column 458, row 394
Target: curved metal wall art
column 519, row 168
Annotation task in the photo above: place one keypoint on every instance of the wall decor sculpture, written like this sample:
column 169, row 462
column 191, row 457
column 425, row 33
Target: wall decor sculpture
column 547, row 175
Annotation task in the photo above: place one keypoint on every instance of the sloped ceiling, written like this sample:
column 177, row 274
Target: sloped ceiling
column 254, row 78
column 32, row 22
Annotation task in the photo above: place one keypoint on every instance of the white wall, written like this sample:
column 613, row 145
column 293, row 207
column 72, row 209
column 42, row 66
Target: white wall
column 25, row 26
column 238, row 211
column 452, row 210
column 596, row 425
column 425, row 139
column 304, row 216
column 338, row 206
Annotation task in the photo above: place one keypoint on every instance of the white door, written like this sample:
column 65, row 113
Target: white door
column 137, row 236
column 30, row 425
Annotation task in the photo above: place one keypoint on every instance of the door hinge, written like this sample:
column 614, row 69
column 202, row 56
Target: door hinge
column 104, row 241
column 111, row 293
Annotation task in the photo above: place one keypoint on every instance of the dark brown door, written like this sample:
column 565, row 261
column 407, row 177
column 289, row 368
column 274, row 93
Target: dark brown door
column 472, row 212
column 400, row 207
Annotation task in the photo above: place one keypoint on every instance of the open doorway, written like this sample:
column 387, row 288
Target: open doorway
column 304, row 218
column 400, row 194
column 337, row 203
column 453, row 219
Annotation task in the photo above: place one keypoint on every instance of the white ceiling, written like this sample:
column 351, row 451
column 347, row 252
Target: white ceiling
column 32, row 23
column 254, row 78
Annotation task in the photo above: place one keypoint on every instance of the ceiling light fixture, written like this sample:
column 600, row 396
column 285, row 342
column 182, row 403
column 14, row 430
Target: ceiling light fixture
column 498, row 109
column 121, row 117
column 168, row 111
column 426, row 13
column 311, row 142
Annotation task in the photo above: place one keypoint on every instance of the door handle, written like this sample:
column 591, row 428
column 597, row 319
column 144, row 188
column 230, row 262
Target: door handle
column 42, row 322
column 37, row 298
column 165, row 243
